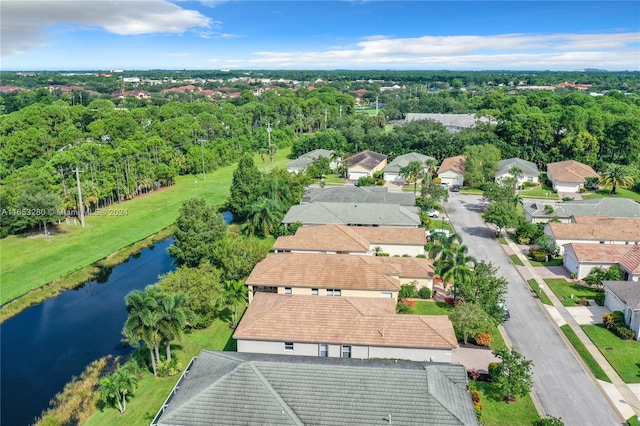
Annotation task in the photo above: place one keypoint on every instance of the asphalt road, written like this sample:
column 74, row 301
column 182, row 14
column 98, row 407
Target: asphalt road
column 562, row 386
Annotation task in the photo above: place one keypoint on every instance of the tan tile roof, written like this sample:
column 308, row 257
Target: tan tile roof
column 627, row 256
column 343, row 271
column 631, row 260
column 341, row 320
column 453, row 163
column 348, row 238
column 570, row 171
column 602, row 229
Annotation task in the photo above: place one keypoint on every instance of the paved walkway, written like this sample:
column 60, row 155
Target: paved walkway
column 624, row 397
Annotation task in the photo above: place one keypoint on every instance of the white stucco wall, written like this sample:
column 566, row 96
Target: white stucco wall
column 450, row 177
column 400, row 249
column 612, row 302
column 566, row 187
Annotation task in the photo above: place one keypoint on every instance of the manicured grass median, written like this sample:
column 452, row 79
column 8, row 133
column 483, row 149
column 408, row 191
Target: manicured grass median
column 586, row 356
column 152, row 391
column 29, row 262
column 556, row 261
column 516, row 260
column 498, row 413
column 623, row 355
column 564, row 289
column 542, row 295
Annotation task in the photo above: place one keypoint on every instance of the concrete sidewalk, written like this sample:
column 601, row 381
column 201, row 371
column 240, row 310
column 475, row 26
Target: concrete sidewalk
column 624, row 397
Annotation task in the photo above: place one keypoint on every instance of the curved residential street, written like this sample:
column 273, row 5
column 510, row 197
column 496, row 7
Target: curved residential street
column 563, row 388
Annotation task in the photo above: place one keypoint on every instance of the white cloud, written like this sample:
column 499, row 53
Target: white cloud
column 614, row 51
column 24, row 22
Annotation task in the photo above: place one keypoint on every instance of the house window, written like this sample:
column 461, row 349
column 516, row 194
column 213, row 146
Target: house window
column 530, row 179
column 601, row 242
column 287, row 290
column 346, row 351
column 314, row 292
column 324, row 350
column 387, row 295
column 288, row 346
column 334, row 292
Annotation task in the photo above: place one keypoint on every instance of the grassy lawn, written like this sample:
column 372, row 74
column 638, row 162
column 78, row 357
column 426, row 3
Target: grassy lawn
column 556, row 261
column 29, row 262
column 431, row 307
column 152, row 391
column 539, row 192
column 633, row 421
column 440, row 224
column 621, row 193
column 503, row 241
column 333, row 179
column 623, row 355
column 536, row 288
column 588, row 359
column 498, row 413
column 471, row 191
column 564, row 289
column 516, row 260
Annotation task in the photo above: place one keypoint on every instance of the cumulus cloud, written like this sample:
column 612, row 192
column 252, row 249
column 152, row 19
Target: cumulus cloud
column 530, row 51
column 24, row 23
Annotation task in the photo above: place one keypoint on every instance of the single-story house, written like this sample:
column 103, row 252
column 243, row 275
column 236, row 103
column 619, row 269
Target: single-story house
column 363, row 240
column 357, row 327
column 596, row 231
column 569, row 175
column 365, row 163
column 392, row 171
column 538, row 212
column 452, row 170
column 624, row 296
column 452, row 122
column 353, row 214
column 580, row 259
column 358, row 194
column 338, row 275
column 233, row 388
column 530, row 171
column 305, row 160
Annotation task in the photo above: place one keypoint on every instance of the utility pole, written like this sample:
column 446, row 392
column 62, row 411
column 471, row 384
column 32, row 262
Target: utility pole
column 270, row 150
column 80, row 205
column 376, row 105
column 340, row 110
column 325, row 118
column 195, row 137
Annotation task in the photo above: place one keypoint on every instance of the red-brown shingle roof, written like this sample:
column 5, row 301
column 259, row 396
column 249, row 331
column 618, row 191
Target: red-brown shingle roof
column 455, row 164
column 570, row 171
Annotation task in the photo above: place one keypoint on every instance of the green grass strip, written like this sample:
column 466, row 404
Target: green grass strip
column 503, row 241
column 586, row 356
column 565, row 290
column 623, row 355
column 516, row 260
column 541, row 294
column 633, row 421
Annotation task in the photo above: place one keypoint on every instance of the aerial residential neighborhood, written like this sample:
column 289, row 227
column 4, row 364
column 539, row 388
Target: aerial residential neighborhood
column 319, row 213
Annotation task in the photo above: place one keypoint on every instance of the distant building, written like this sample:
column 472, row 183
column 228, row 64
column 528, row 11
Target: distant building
column 305, row 160
column 452, row 122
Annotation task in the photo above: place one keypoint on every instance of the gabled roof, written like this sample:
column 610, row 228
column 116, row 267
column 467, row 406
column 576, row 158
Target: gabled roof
column 305, row 160
column 341, row 271
column 404, row 160
column 230, row 388
column 527, row 167
column 631, row 260
column 366, row 159
column 599, row 253
column 570, row 171
column 348, row 238
column 603, row 230
column 358, row 194
column 627, row 291
column 367, row 214
column 455, row 164
column 610, row 207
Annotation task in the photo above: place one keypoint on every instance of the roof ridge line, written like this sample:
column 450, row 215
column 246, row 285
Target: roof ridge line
column 434, row 396
column 292, row 415
column 421, row 317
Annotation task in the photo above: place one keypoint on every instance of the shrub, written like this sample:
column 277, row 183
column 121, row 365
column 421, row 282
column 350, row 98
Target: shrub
column 582, row 302
column 492, row 368
column 483, row 339
column 612, row 319
column 538, row 255
column 365, row 181
column 421, row 256
column 424, row 293
column 402, row 308
column 624, row 332
column 599, row 299
column 169, row 368
column 406, row 255
column 475, row 397
column 383, row 254
column 478, row 410
column 529, row 184
column 408, row 291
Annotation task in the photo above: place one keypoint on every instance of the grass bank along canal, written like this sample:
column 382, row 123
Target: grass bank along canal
column 44, row 346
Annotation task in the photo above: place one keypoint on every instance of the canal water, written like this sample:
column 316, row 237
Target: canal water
column 43, row 347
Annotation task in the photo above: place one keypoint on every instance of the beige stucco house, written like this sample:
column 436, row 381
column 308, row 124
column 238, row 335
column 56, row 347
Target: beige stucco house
column 452, row 170
column 594, row 230
column 342, row 327
column 365, row 163
column 338, row 275
column 580, row 259
column 340, row 239
column 569, row 175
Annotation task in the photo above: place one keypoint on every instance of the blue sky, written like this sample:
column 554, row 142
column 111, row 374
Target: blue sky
column 209, row 34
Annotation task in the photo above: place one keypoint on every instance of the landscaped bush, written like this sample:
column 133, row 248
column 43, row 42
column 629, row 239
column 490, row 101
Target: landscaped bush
column 402, row 308
column 408, row 291
column 526, row 185
column 169, row 368
column 611, row 319
column 483, row 339
column 582, row 302
column 383, row 254
column 623, row 332
column 424, row 293
column 365, row 181
column 421, row 256
column 599, row 299
column 538, row 255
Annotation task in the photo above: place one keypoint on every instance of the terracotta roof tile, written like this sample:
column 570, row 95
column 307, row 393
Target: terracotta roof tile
column 600, row 229
column 342, row 320
column 453, row 163
column 570, row 171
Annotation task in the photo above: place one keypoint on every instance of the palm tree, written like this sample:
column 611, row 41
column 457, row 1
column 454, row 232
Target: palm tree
column 411, row 172
column 441, row 245
column 616, row 175
column 454, row 266
column 115, row 388
column 142, row 308
column 175, row 315
column 235, row 294
column 517, row 173
column 265, row 216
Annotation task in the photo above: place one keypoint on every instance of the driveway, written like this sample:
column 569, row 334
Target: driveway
column 562, row 386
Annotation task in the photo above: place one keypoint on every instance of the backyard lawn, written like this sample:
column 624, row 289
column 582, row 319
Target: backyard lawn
column 29, row 262
column 564, row 290
column 152, row 391
column 498, row 413
column 623, row 355
column 621, row 193
column 430, row 307
column 539, row 192
column 586, row 356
